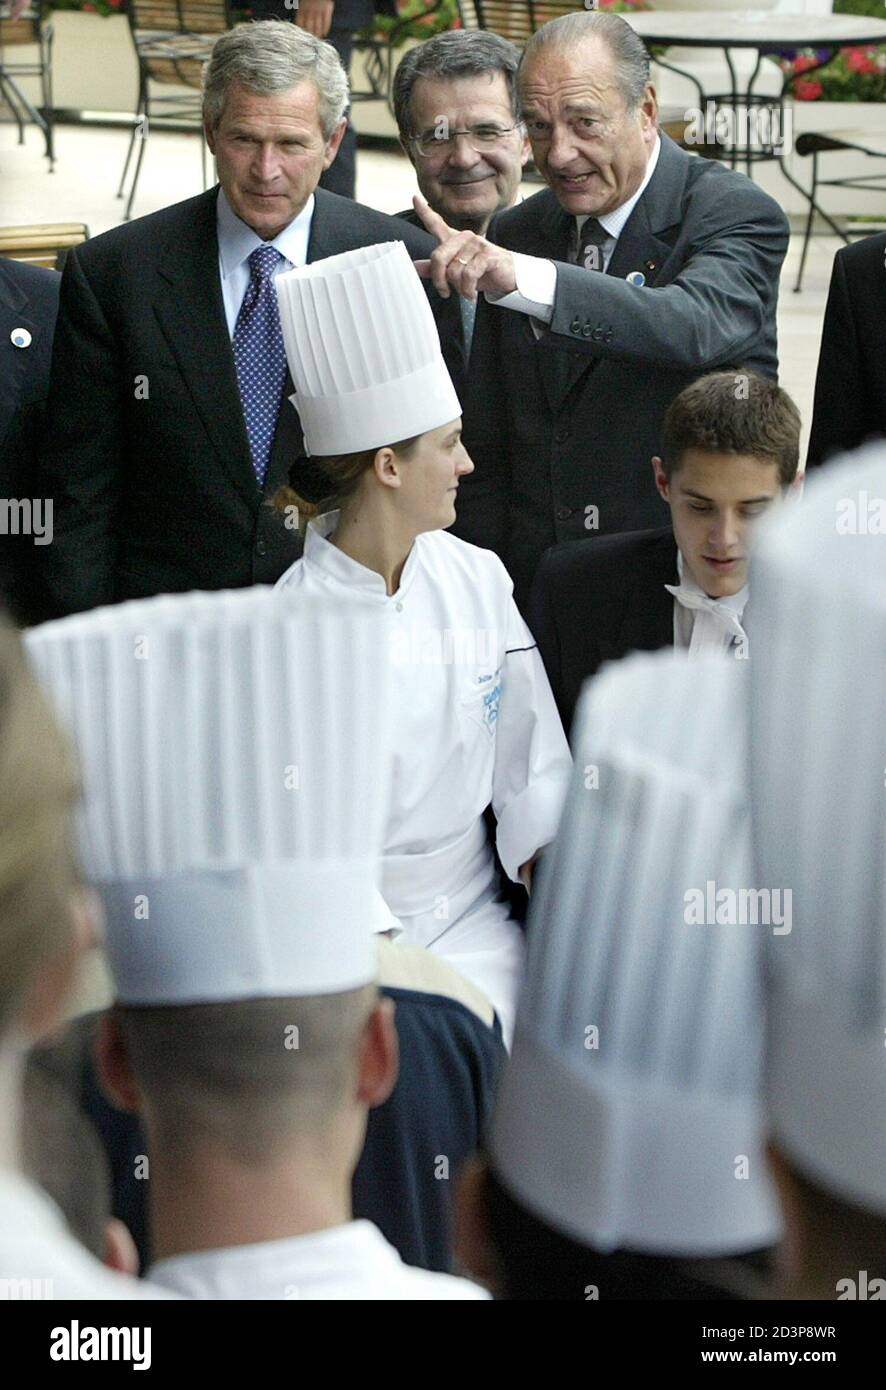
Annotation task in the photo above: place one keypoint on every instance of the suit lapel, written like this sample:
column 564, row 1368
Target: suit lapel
column 639, row 247
column 14, row 361
column 648, row 615
column 189, row 306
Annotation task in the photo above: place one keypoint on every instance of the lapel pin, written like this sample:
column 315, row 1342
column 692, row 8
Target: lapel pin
column 649, row 265
column 635, row 277
column 20, row 338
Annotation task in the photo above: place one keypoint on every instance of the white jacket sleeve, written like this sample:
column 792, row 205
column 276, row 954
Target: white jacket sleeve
column 532, row 759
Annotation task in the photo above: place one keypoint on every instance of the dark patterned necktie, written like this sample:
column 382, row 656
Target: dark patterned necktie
column 260, row 357
column 591, row 245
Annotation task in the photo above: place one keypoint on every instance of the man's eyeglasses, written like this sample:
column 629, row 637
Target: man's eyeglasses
column 479, row 137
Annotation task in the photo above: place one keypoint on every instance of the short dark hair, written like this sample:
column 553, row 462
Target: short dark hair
column 457, row 53
column 733, row 412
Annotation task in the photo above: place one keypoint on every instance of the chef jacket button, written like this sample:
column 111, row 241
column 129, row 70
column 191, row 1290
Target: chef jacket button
column 561, row 436
column 564, row 513
column 260, row 548
column 575, row 326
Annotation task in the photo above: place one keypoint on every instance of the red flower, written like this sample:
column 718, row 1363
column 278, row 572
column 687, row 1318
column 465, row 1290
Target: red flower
column 857, row 60
column 802, row 63
column 808, row 91
column 90, row 9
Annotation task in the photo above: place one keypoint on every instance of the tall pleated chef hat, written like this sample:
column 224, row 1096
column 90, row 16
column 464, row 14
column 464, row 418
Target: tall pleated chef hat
column 235, row 756
column 363, row 351
column 818, row 746
column 630, row 1115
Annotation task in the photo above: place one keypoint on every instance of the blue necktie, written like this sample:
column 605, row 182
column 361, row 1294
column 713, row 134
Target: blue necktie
column 260, row 357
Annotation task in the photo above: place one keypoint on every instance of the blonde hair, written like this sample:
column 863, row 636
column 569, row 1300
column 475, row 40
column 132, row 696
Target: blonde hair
column 38, row 868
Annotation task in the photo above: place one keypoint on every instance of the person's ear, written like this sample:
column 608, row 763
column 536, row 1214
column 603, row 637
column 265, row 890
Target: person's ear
column 649, row 107
column 386, row 468
column 112, row 1064
column 472, row 1239
column 44, row 1007
column 334, row 141
column 209, row 134
column 379, row 1055
column 525, row 151
column 119, row 1253
column 661, row 480
column 791, row 1256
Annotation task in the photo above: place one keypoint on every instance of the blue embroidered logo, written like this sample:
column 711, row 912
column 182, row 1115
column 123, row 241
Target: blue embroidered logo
column 491, row 702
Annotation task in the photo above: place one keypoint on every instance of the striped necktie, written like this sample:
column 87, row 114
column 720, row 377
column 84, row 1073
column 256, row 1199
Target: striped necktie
column 592, row 245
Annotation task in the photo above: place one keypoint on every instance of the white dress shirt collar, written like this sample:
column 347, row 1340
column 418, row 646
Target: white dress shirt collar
column 237, row 241
column 614, row 222
column 335, row 567
column 714, row 624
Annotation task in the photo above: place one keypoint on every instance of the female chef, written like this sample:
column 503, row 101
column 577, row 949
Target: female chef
column 477, row 722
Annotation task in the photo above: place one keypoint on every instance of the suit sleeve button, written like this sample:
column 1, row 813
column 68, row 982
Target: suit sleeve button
column 575, row 326
column 260, row 548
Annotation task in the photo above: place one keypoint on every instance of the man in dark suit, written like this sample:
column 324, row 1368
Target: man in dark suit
column 850, row 386
column 169, row 426
column 571, row 371
column 28, row 308
column 336, row 21
column 730, row 449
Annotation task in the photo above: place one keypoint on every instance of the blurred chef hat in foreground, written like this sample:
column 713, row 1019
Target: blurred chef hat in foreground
column 818, row 780
column 630, row 1114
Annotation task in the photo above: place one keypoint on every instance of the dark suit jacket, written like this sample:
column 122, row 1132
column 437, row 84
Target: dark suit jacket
column 570, row 422
column 146, row 453
column 28, row 299
column 850, row 387
column 449, row 322
column 597, row 600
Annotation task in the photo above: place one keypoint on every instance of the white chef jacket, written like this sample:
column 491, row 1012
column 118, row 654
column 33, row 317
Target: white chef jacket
column 476, row 726
column 40, row 1259
column 353, row 1261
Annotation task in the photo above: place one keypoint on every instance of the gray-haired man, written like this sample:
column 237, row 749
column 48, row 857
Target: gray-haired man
column 571, row 371
column 168, row 424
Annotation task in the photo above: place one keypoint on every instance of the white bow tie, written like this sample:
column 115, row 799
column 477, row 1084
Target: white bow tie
column 725, row 612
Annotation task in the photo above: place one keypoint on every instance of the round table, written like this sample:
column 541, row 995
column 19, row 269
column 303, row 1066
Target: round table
column 767, row 33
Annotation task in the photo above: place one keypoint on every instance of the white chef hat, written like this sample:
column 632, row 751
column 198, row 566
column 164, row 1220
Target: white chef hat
column 235, row 758
column 818, row 762
column 363, row 351
column 630, row 1114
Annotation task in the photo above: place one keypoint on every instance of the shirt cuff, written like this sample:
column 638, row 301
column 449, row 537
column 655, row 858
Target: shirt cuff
column 536, row 287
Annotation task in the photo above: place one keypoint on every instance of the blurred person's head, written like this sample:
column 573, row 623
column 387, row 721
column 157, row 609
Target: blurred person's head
column 730, row 449
column 253, row 1085
column 63, row 1154
column 590, row 110
column 463, row 81
column 44, row 916
column 274, row 102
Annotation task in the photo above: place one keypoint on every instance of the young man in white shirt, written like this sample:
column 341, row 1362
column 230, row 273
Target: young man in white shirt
column 730, row 449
